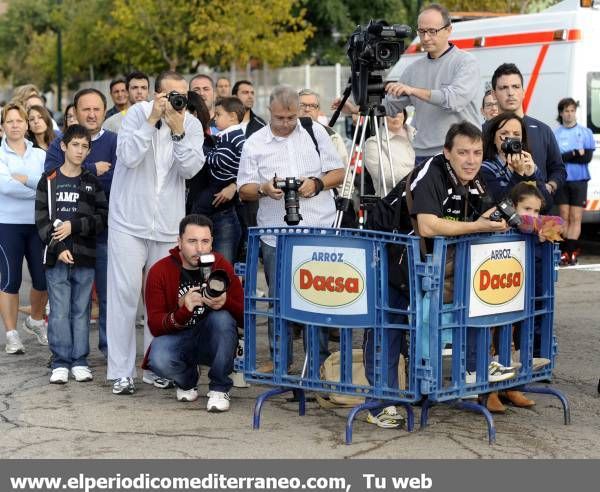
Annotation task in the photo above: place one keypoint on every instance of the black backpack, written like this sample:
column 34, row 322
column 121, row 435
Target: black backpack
column 390, row 214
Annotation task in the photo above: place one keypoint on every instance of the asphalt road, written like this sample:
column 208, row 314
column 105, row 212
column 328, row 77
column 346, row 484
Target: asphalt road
column 84, row 420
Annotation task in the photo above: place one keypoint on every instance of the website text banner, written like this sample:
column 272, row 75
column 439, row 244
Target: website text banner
column 306, row 475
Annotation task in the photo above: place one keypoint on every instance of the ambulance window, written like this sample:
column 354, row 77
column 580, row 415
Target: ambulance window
column 593, row 101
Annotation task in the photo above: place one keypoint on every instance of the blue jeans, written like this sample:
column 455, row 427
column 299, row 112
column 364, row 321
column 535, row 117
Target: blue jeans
column 69, row 290
column 397, row 342
column 227, row 233
column 212, row 341
column 101, row 285
column 269, row 261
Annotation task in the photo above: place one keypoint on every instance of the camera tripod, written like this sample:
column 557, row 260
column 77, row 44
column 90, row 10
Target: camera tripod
column 368, row 115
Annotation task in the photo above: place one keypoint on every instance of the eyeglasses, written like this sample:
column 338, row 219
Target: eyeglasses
column 309, row 106
column 432, row 32
column 490, row 105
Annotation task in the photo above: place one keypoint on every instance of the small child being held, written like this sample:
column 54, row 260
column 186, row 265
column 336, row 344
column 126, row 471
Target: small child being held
column 216, row 198
column 70, row 211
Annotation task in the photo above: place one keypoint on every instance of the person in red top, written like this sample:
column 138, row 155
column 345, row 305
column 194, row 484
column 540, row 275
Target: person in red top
column 189, row 327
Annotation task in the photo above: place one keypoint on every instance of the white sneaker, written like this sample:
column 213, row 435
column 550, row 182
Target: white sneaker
column 39, row 328
column 187, row 395
column 60, row 375
column 388, row 418
column 496, row 373
column 123, row 386
column 163, row 383
column 14, row 345
column 217, row 401
column 81, row 373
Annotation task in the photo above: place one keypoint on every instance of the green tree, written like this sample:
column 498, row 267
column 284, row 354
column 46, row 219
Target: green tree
column 181, row 34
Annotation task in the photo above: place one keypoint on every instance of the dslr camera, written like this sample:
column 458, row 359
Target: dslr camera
column 291, row 199
column 214, row 282
column 178, row 101
column 511, row 146
column 506, row 210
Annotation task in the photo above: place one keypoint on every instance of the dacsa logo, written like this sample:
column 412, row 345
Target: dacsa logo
column 499, row 279
column 328, row 282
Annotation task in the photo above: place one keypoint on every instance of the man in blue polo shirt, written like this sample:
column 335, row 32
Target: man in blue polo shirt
column 577, row 146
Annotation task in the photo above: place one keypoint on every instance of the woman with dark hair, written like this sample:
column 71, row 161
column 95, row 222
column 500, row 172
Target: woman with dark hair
column 69, row 117
column 504, row 165
column 40, row 130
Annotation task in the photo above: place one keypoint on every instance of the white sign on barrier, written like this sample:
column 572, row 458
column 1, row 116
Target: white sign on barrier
column 497, row 278
column 329, row 280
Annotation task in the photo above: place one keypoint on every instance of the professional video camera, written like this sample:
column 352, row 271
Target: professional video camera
column 214, row 282
column 376, row 47
column 506, row 210
column 511, row 146
column 290, row 194
column 177, row 100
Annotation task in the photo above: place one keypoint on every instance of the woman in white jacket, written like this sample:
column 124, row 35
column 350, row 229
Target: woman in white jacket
column 403, row 155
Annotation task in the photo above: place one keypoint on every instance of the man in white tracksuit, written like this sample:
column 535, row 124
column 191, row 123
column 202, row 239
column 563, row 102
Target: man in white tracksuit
column 158, row 148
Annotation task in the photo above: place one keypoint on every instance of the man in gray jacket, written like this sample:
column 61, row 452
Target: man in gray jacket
column 443, row 86
column 158, row 148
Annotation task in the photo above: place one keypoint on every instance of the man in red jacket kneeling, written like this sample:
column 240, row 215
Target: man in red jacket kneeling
column 195, row 304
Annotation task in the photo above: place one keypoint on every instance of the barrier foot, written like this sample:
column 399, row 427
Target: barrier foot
column 300, row 397
column 262, row 398
column 410, row 416
column 475, row 407
column 425, row 405
column 462, row 405
column 551, row 391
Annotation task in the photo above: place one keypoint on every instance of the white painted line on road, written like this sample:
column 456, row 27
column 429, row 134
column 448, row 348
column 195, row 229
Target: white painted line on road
column 590, row 267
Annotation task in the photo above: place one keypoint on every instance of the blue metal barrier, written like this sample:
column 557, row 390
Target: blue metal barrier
column 501, row 282
column 328, row 278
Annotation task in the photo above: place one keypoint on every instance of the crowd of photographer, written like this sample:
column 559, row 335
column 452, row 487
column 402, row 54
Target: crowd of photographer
column 155, row 202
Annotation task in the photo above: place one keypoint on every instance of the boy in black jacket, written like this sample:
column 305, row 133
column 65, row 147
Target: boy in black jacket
column 70, row 211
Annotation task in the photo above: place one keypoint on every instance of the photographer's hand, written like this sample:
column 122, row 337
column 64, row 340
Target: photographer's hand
column 158, row 108
column 484, row 224
column 174, row 119
column 349, row 108
column 308, row 188
column 216, row 303
column 192, row 299
column 270, row 190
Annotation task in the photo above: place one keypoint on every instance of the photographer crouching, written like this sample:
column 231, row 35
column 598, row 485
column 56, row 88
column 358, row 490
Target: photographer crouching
column 305, row 165
column 195, row 303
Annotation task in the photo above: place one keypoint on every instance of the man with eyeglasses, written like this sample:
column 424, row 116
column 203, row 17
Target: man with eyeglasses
column 442, row 86
column 489, row 105
column 285, row 148
column 310, row 103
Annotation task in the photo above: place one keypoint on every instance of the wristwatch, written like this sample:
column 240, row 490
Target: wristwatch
column 177, row 138
column 261, row 193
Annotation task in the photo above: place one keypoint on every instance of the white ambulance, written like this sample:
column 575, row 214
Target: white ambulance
column 558, row 52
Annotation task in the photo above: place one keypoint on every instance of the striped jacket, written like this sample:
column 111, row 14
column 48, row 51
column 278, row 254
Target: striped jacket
column 90, row 220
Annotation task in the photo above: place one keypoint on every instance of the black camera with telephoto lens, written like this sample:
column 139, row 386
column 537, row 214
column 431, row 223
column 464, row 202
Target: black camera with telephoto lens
column 506, row 210
column 214, row 282
column 290, row 195
column 177, row 100
column 511, row 146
